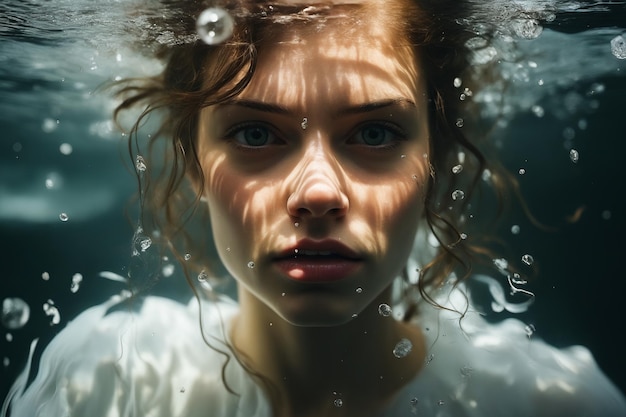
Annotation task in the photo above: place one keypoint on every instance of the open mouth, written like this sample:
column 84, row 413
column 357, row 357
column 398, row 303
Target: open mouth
column 323, row 261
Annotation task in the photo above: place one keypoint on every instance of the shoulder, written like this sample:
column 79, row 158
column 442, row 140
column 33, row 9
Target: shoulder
column 478, row 368
column 113, row 360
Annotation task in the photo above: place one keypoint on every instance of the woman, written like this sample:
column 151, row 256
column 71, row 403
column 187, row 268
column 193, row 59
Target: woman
column 320, row 142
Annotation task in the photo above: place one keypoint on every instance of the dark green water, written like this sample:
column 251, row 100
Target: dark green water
column 54, row 55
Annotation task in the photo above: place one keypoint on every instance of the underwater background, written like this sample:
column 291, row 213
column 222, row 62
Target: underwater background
column 66, row 179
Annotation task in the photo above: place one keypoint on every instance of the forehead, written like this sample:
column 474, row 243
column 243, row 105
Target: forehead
column 348, row 50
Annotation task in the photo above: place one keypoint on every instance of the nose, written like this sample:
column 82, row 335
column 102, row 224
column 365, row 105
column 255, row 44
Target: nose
column 317, row 189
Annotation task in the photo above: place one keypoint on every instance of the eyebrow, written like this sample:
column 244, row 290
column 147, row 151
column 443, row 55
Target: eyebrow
column 350, row 110
column 259, row 105
column 375, row 105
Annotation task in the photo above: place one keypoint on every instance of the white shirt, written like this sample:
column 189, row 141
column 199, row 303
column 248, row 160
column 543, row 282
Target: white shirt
column 155, row 363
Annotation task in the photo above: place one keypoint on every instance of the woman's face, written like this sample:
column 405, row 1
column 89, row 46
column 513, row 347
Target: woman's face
column 316, row 173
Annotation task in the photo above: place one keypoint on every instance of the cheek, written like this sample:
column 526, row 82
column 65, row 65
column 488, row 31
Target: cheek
column 241, row 211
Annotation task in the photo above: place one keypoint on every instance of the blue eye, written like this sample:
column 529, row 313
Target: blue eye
column 374, row 135
column 252, row 136
column 377, row 135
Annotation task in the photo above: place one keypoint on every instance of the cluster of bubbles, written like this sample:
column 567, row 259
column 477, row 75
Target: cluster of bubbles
column 76, row 280
column 52, row 311
column 402, row 348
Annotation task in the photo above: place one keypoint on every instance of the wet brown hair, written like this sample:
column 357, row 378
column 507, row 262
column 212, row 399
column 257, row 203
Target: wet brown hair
column 197, row 75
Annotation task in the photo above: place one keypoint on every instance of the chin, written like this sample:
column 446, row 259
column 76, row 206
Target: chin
column 318, row 314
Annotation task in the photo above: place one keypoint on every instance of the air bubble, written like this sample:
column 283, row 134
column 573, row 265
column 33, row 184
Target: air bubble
column 457, row 82
column 569, row 133
column 251, row 265
column 466, row 371
column 515, row 229
column 457, row 169
column 49, row 125
column 458, row 195
column 459, row 122
column 214, row 25
column 167, row 270
column 538, row 111
column 64, row 217
column 573, row 155
column 66, row 149
column 187, row 256
column 140, row 164
column 618, row 47
column 15, row 313
column 338, row 402
column 45, row 276
column 305, row 123
column 384, row 310
column 52, row 311
column 202, row 276
column 528, row 259
column 518, row 280
column 530, row 330
column 76, row 280
column 402, row 348
column 522, row 171
column 145, row 244
column 359, row 290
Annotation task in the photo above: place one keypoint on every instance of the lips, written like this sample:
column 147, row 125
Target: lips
column 318, row 261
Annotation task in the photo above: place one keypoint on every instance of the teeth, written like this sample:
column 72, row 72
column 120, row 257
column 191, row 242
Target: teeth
column 315, row 252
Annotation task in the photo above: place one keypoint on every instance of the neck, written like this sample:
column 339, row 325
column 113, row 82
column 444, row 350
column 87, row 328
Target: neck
column 311, row 367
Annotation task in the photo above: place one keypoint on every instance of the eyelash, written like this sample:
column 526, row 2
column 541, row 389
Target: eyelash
column 397, row 133
column 231, row 134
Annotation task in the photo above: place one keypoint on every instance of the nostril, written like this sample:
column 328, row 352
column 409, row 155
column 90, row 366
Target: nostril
column 317, row 205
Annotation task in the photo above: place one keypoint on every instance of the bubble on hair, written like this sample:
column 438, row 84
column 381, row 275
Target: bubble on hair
column 215, row 25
